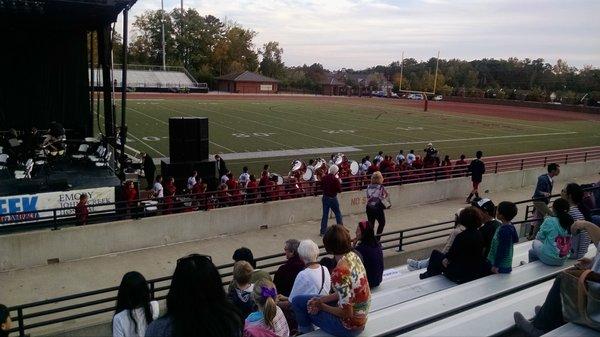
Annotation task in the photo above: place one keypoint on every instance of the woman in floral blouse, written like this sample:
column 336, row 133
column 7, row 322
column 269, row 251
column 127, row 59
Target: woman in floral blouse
column 343, row 313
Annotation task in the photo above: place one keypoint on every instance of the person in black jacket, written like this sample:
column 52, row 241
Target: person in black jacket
column 477, row 169
column 221, row 166
column 149, row 169
column 490, row 223
column 464, row 261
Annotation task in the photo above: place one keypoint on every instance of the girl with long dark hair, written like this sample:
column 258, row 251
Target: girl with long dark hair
column 197, row 304
column 573, row 193
column 134, row 310
column 552, row 243
column 370, row 249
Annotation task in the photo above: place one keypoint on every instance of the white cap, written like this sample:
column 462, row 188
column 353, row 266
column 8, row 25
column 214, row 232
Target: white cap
column 333, row 169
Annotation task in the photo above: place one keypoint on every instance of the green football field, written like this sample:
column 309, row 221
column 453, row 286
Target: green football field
column 245, row 128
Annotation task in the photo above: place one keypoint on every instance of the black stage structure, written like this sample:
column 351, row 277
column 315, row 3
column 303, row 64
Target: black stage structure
column 48, row 47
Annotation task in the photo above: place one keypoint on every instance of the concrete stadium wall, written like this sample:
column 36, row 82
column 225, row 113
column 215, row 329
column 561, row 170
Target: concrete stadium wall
column 23, row 250
column 526, row 104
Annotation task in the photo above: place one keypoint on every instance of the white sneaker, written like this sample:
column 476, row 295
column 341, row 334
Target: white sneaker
column 412, row 264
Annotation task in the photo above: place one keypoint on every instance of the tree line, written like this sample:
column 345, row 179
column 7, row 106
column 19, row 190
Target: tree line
column 209, row 47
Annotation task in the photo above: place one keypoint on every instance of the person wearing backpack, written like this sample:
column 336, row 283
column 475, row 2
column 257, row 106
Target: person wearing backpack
column 552, row 243
column 376, row 195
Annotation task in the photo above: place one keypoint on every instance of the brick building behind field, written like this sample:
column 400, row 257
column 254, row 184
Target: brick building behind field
column 247, row 82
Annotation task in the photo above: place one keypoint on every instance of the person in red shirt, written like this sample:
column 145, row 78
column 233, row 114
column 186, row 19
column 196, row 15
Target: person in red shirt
column 460, row 167
column 252, row 190
column 130, row 195
column 446, row 167
column 199, row 193
column 331, row 187
column 418, row 163
column 263, row 185
column 223, row 195
column 373, row 168
column 81, row 210
column 234, row 189
column 170, row 191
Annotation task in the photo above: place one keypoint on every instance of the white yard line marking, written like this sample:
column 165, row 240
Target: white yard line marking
column 165, row 123
column 224, row 126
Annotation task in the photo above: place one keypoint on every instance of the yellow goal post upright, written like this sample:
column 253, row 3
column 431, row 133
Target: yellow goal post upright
column 423, row 94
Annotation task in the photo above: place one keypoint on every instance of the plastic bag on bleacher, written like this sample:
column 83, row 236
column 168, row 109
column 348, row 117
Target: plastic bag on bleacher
column 580, row 298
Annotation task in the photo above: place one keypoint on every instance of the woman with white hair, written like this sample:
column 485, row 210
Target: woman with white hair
column 331, row 186
column 314, row 279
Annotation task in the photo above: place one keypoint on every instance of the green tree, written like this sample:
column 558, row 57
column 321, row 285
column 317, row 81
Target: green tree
column 271, row 64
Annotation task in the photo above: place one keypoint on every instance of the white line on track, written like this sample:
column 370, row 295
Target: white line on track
column 474, row 138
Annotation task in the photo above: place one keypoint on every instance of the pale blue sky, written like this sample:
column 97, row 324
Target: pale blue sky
column 361, row 33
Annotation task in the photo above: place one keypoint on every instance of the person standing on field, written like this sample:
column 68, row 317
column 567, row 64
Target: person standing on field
column 477, row 169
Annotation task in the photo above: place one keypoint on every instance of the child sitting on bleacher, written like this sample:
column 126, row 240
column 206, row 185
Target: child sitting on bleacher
column 241, row 292
column 553, row 241
column 464, row 261
column 501, row 249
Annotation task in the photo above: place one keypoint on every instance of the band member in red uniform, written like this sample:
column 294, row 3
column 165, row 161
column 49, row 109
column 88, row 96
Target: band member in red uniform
column 199, row 193
column 252, row 190
column 233, row 187
column 373, row 168
column 263, row 185
column 460, row 167
column 81, row 210
column 446, row 167
column 131, row 195
column 223, row 195
column 170, row 191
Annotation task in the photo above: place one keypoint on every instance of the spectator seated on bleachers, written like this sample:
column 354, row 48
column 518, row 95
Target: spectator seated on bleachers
column 245, row 254
column 134, row 310
column 502, row 246
column 343, row 313
column 580, row 242
column 240, row 294
column 464, row 261
column 286, row 273
column 370, row 250
column 552, row 244
column 196, row 303
column 550, row 314
column 315, row 278
column 422, row 264
column 269, row 318
column 5, row 322
column 490, row 223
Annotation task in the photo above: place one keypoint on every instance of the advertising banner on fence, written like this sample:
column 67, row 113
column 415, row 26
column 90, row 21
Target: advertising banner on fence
column 35, row 204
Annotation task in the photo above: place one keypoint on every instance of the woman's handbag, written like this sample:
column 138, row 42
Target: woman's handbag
column 580, row 298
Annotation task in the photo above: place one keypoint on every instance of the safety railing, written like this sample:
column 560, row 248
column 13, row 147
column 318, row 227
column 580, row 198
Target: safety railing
column 268, row 191
column 92, row 303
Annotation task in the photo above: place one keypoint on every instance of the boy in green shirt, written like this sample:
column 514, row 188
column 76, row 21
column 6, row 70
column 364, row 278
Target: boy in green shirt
column 501, row 250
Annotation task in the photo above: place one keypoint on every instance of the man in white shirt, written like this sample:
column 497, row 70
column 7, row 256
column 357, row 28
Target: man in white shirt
column 368, row 161
column 379, row 156
column 400, row 157
column 363, row 167
column 157, row 189
column 244, row 177
column 192, row 180
column 410, row 158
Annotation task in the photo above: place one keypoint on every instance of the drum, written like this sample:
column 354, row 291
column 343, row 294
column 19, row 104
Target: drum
column 353, row 167
column 308, row 175
column 296, row 165
column 338, row 159
column 279, row 178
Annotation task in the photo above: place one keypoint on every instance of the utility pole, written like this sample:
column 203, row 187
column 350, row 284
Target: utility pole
column 181, row 7
column 401, row 70
column 162, row 7
column 437, row 61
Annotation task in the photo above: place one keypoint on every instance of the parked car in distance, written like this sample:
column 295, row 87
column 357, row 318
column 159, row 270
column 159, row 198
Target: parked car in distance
column 415, row 96
column 437, row 97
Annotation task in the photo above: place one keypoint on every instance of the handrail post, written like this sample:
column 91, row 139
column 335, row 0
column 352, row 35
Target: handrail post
column 522, row 162
column 545, row 161
column 400, row 241
column 21, row 322
column 566, row 158
column 585, row 157
column 496, row 169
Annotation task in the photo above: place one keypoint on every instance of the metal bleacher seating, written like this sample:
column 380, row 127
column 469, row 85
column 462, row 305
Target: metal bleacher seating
column 571, row 329
column 404, row 305
column 154, row 79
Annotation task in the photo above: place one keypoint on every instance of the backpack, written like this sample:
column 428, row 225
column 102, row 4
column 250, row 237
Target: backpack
column 563, row 243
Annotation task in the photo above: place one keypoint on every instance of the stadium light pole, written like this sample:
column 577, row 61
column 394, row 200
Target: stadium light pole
column 401, row 70
column 437, row 61
column 162, row 7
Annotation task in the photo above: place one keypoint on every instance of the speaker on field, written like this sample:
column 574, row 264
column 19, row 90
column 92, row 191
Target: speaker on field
column 188, row 139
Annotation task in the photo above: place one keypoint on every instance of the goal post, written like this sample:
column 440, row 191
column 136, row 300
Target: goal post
column 418, row 95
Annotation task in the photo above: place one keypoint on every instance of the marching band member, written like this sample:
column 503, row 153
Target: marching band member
column 311, row 166
column 192, row 180
column 363, row 167
column 244, row 177
column 368, row 161
column 379, row 156
column 400, row 157
column 252, row 189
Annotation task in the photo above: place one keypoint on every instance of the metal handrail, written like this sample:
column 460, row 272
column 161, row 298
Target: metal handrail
column 209, row 200
column 397, row 238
